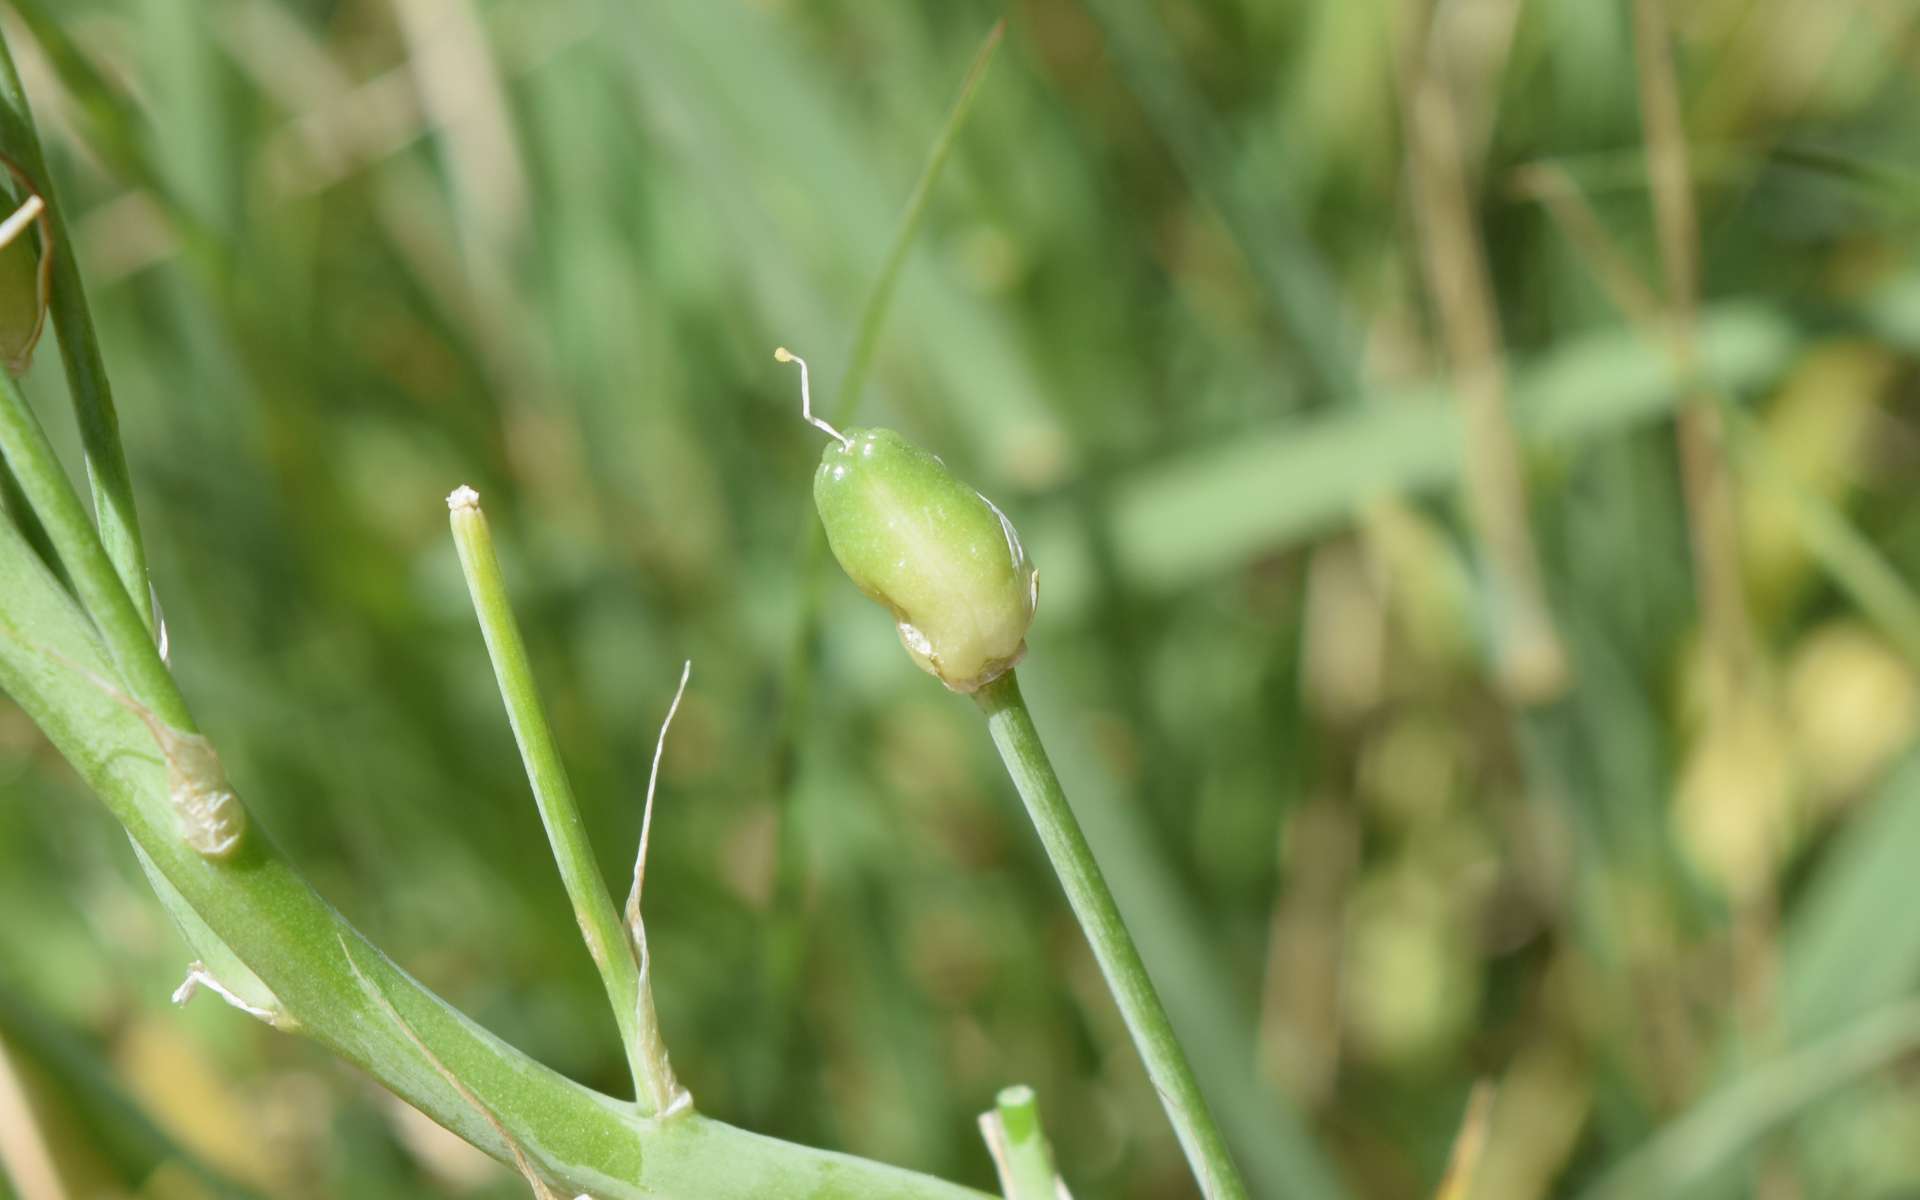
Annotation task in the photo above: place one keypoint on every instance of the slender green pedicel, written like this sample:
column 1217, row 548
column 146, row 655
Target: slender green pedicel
column 949, row 566
column 942, row 558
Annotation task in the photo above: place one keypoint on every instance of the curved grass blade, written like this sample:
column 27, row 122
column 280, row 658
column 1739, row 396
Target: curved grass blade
column 1683, row 1156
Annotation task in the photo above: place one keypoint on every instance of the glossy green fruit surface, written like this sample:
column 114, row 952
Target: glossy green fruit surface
column 943, row 559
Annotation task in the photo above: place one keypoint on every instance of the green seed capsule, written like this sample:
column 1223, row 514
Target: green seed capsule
column 938, row 554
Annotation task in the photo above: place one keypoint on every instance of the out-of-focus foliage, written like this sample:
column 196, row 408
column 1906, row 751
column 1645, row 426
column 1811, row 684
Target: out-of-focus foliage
column 1167, row 310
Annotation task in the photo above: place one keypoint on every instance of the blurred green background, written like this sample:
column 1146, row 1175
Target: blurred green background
column 1168, row 308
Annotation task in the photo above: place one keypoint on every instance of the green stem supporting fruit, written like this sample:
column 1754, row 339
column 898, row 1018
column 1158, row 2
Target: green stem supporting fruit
column 1026, row 759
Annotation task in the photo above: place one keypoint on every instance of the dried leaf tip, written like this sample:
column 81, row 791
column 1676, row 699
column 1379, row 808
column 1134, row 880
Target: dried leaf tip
column 653, row 782
column 462, row 499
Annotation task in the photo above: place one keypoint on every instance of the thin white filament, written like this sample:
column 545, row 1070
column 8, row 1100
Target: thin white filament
column 806, row 398
column 199, row 977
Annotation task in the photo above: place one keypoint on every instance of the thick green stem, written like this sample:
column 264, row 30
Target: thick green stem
column 80, row 352
column 292, row 939
column 593, row 906
column 121, row 622
column 1026, row 759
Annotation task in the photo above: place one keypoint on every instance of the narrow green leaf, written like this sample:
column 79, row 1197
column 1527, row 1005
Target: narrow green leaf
column 1690, row 1150
column 80, row 352
column 873, row 312
column 1842, row 957
column 115, row 1127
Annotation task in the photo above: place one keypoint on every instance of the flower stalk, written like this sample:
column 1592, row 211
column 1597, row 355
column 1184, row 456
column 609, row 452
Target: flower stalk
column 1026, row 760
column 618, row 953
column 949, row 566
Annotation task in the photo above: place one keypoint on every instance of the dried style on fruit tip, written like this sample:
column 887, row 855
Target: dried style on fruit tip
column 940, row 556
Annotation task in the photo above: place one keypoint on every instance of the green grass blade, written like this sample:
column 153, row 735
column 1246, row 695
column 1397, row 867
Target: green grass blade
column 785, row 935
column 1214, row 508
column 873, row 312
column 1850, row 560
column 1688, row 1152
column 116, row 1129
column 80, row 352
column 1841, row 955
column 1280, row 254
